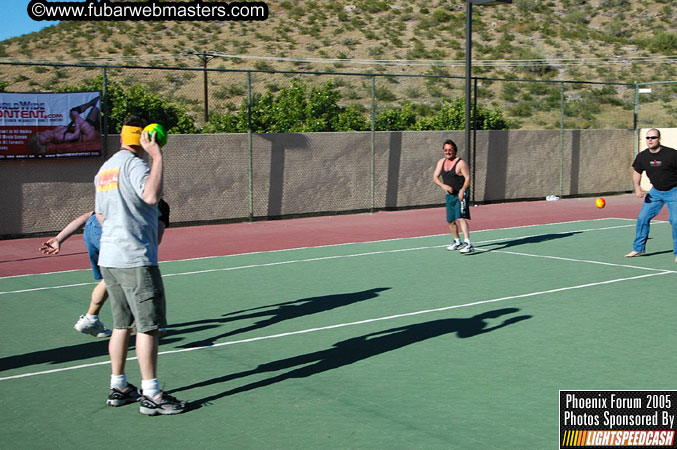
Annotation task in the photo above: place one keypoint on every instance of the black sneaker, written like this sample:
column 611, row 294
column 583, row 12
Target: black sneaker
column 162, row 403
column 116, row 397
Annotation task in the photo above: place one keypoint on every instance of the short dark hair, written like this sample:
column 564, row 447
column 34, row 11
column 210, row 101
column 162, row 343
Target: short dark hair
column 134, row 120
column 452, row 143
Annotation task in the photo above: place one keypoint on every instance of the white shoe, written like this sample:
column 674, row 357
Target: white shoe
column 467, row 248
column 455, row 246
column 95, row 328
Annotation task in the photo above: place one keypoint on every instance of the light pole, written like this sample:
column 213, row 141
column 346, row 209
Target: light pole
column 468, row 67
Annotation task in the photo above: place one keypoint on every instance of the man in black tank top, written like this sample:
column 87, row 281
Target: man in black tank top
column 452, row 175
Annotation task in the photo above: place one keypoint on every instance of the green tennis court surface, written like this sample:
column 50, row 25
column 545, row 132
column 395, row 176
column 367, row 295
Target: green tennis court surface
column 390, row 344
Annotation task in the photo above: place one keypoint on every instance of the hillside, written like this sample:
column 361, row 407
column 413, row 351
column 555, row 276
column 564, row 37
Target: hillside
column 574, row 40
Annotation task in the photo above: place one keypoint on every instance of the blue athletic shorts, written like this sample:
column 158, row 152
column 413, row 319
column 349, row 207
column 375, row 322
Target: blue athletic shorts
column 92, row 238
column 456, row 209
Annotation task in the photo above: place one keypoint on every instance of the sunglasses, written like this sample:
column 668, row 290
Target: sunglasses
column 653, row 137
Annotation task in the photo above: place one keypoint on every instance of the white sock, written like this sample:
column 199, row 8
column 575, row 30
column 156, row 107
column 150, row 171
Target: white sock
column 150, row 388
column 457, row 241
column 118, row 381
column 467, row 241
column 92, row 318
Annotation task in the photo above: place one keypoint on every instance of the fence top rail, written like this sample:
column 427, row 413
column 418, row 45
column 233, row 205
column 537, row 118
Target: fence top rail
column 614, row 83
column 653, row 83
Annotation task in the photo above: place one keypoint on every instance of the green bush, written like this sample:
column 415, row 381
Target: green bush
column 384, row 94
column 521, row 110
column 373, row 6
column 396, row 119
column 451, row 116
column 292, row 109
column 352, row 119
column 440, row 16
column 297, row 108
column 664, row 42
column 222, row 123
column 510, row 91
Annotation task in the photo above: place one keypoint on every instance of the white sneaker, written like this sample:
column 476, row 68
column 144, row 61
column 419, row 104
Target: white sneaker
column 467, row 248
column 455, row 246
column 96, row 328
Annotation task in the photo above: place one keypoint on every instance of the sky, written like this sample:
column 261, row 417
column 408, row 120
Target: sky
column 14, row 20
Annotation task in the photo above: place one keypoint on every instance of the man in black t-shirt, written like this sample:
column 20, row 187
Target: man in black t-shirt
column 660, row 164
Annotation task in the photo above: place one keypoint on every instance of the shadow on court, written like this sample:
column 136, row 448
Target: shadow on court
column 657, row 252
column 664, row 252
column 493, row 246
column 65, row 354
column 357, row 349
column 272, row 314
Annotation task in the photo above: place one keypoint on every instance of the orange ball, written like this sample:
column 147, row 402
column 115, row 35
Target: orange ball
column 600, row 203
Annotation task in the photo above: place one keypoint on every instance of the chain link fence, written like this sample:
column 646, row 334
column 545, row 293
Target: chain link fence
column 527, row 104
column 565, row 133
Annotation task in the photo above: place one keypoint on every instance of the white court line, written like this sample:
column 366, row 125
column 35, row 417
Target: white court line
column 382, row 252
column 349, row 324
column 47, row 288
column 407, row 238
column 588, row 261
column 353, row 255
column 342, row 244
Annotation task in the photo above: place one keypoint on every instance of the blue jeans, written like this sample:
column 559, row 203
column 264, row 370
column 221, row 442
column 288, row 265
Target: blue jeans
column 92, row 238
column 653, row 203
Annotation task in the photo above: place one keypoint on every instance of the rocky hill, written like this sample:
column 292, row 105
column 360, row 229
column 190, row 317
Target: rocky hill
column 619, row 41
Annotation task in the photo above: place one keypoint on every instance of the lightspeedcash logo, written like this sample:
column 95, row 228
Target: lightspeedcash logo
column 153, row 10
column 617, row 419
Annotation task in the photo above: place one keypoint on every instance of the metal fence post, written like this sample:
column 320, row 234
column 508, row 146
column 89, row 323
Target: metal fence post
column 106, row 112
column 561, row 139
column 250, row 147
column 205, row 58
column 635, row 121
column 373, row 142
column 474, row 142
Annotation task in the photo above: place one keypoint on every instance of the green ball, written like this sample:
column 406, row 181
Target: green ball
column 160, row 133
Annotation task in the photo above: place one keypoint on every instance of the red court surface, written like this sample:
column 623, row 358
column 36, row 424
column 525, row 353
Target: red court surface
column 21, row 256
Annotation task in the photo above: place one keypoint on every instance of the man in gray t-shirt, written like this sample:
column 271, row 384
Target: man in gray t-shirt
column 130, row 233
column 127, row 193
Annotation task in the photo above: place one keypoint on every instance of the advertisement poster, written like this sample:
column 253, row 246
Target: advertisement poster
column 53, row 125
column 617, row 419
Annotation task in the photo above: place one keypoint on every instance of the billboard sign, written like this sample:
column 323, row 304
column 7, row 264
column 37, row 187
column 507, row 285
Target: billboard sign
column 49, row 125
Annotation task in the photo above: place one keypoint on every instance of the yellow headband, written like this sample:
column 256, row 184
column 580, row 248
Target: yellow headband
column 131, row 135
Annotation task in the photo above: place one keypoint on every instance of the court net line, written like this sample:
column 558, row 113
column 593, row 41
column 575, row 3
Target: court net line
column 348, row 324
column 354, row 255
